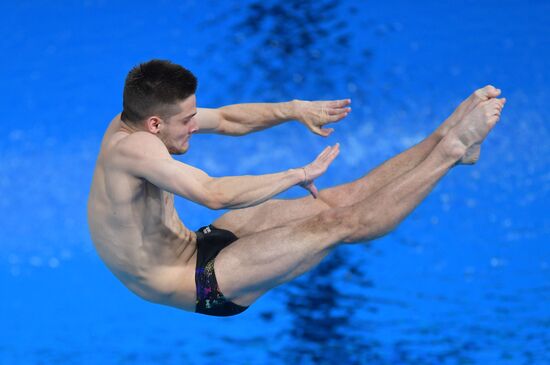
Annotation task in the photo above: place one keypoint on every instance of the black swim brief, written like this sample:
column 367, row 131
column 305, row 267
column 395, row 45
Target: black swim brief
column 210, row 301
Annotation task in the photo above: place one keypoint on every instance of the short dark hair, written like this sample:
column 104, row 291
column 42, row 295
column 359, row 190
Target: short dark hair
column 151, row 88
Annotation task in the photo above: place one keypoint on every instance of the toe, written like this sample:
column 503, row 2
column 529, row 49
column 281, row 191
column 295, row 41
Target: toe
column 490, row 107
column 492, row 121
column 487, row 92
column 480, row 95
column 492, row 91
column 495, row 102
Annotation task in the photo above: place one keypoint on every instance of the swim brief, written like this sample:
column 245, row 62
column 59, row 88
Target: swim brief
column 210, row 301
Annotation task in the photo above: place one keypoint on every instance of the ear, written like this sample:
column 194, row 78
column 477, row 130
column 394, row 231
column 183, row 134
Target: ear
column 153, row 124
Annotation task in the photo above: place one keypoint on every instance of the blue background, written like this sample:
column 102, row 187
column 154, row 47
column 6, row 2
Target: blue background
column 465, row 279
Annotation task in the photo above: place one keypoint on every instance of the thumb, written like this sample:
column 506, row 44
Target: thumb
column 323, row 132
column 317, row 130
column 313, row 190
column 327, row 132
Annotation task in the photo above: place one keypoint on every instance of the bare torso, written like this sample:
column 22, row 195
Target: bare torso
column 137, row 231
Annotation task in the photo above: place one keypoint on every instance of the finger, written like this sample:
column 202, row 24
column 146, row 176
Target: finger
column 327, row 160
column 325, row 132
column 317, row 131
column 322, row 132
column 336, row 118
column 339, row 103
column 333, row 149
column 324, row 152
column 332, row 156
column 338, row 111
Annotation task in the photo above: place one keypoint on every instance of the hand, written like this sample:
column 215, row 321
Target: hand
column 315, row 114
column 318, row 167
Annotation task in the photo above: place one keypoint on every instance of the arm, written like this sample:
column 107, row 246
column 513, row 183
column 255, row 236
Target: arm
column 246, row 191
column 143, row 155
column 241, row 119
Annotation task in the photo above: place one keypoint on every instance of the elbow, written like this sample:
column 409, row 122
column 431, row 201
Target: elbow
column 213, row 197
column 229, row 128
column 215, row 205
column 217, row 201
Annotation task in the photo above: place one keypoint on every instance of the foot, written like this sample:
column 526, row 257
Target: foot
column 467, row 105
column 478, row 96
column 470, row 132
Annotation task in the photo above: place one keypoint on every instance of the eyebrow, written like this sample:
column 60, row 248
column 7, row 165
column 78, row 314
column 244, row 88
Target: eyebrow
column 190, row 116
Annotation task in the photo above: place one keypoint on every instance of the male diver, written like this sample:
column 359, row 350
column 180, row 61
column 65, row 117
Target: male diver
column 260, row 243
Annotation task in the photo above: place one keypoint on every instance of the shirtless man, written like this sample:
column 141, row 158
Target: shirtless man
column 222, row 268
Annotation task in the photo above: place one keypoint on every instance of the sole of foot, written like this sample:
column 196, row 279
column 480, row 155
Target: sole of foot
column 473, row 152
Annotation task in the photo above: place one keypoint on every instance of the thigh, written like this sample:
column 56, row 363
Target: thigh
column 270, row 214
column 258, row 262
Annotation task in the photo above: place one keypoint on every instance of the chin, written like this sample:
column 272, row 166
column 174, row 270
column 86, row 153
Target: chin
column 182, row 151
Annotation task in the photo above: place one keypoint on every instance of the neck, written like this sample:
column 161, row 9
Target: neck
column 125, row 127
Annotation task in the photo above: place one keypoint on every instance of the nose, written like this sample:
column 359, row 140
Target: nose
column 194, row 126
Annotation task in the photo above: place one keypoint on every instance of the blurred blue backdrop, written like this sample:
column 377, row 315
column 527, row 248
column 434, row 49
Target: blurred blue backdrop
column 465, row 279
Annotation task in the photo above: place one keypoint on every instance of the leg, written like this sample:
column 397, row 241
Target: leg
column 384, row 174
column 276, row 212
column 396, row 200
column 350, row 193
column 260, row 261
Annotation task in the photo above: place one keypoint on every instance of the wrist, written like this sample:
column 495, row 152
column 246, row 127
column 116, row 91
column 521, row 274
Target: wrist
column 299, row 175
column 293, row 108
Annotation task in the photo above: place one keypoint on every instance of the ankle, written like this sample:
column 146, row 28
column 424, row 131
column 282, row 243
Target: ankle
column 438, row 134
column 451, row 147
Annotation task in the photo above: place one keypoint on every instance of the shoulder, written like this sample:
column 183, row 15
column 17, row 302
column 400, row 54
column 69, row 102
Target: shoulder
column 138, row 150
column 143, row 144
column 113, row 127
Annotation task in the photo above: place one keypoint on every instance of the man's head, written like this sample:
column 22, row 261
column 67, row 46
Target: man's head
column 159, row 97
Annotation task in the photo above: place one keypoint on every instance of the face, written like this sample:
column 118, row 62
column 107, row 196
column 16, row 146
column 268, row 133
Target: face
column 176, row 130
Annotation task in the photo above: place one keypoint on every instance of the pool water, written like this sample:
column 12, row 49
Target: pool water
column 465, row 279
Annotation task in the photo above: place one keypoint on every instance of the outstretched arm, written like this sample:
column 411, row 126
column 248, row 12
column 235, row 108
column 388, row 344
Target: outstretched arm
column 241, row 119
column 143, row 155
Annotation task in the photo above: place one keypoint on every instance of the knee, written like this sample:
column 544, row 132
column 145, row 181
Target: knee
column 365, row 227
column 339, row 220
column 346, row 224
